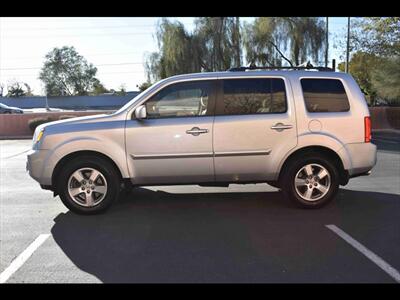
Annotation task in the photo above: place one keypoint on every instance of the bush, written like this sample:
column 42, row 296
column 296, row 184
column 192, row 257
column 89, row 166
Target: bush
column 63, row 117
column 33, row 123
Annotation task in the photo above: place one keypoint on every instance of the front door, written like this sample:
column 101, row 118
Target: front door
column 254, row 127
column 174, row 143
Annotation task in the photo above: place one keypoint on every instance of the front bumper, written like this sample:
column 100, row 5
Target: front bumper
column 36, row 166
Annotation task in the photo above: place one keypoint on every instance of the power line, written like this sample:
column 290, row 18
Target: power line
column 100, row 65
column 78, row 35
column 84, row 27
column 97, row 75
column 96, row 54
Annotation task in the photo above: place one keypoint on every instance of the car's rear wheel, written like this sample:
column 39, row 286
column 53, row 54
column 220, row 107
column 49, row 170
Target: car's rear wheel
column 88, row 185
column 311, row 181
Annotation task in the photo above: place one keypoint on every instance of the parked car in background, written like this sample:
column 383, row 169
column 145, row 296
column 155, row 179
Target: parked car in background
column 304, row 132
column 5, row 109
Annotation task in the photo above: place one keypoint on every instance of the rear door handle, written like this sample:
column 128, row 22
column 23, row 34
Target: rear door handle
column 281, row 126
column 196, row 131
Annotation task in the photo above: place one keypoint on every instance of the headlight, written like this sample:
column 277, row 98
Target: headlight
column 37, row 137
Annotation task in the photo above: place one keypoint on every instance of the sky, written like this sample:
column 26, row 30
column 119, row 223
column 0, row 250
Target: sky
column 117, row 46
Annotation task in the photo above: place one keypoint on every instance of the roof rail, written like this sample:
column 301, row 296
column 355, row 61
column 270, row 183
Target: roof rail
column 301, row 67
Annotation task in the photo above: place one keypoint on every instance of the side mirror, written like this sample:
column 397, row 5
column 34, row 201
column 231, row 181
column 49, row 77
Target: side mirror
column 140, row 112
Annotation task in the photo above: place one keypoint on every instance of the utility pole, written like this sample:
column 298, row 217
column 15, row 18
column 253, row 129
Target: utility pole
column 47, row 104
column 326, row 42
column 348, row 45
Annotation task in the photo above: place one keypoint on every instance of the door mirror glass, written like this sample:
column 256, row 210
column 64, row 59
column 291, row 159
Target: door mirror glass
column 140, row 112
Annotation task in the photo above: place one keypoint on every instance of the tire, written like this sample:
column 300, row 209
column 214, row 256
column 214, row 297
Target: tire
column 323, row 190
column 98, row 195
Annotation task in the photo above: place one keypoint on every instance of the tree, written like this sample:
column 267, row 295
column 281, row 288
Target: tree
column 18, row 89
column 120, row 92
column 175, row 54
column 143, row 86
column 214, row 45
column 378, row 35
column 98, row 89
column 65, row 72
column 219, row 43
column 268, row 38
column 386, row 79
column 361, row 67
column 379, row 41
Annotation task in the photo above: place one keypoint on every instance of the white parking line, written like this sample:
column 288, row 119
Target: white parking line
column 372, row 256
column 22, row 258
column 17, row 154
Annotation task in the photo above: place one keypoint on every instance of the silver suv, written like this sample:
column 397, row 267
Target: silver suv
column 305, row 132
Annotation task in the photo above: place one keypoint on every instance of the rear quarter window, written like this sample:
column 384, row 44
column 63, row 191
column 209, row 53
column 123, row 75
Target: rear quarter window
column 324, row 95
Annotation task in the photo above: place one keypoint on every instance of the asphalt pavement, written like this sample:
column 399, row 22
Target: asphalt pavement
column 244, row 233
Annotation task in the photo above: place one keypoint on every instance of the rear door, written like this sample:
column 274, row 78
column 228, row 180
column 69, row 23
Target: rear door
column 254, row 127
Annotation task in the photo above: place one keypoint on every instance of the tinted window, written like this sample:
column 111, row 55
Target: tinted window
column 253, row 96
column 181, row 100
column 324, row 95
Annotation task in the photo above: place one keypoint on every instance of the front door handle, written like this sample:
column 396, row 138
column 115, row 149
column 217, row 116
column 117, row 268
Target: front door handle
column 196, row 131
column 281, row 126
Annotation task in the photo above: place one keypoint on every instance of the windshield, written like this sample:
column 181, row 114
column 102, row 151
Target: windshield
column 148, row 90
column 129, row 103
column 3, row 105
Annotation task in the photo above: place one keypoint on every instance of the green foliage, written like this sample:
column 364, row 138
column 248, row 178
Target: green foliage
column 378, row 35
column 361, row 67
column 65, row 72
column 218, row 42
column 386, row 79
column 214, row 45
column 144, row 86
column 18, row 89
column 378, row 77
column 98, row 89
column 267, row 38
column 33, row 123
column 376, row 64
column 120, row 92
column 175, row 56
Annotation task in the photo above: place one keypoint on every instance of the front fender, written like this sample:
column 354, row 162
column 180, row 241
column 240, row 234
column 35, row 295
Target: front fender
column 110, row 148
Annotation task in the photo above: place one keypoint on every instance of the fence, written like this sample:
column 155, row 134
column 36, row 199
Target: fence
column 74, row 102
column 16, row 125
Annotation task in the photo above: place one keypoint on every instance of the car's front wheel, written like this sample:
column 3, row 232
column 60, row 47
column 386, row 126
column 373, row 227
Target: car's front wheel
column 311, row 181
column 88, row 185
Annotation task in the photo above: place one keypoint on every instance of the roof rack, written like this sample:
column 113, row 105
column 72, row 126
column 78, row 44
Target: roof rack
column 306, row 66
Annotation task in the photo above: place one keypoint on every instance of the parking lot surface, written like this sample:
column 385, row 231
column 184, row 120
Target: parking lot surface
column 244, row 233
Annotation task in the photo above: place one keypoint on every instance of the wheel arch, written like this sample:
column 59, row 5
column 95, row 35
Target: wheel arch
column 321, row 150
column 63, row 161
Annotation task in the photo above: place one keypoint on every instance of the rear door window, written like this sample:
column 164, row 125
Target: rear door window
column 324, row 95
column 252, row 96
